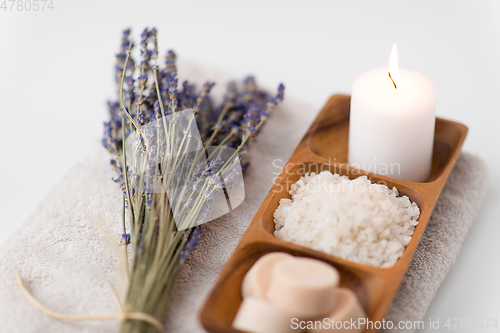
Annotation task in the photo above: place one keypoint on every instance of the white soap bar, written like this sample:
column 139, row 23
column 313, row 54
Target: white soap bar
column 257, row 316
column 304, row 288
column 347, row 307
column 256, row 281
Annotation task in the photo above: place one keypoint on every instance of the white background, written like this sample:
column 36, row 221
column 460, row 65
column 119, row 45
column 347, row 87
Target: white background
column 56, row 72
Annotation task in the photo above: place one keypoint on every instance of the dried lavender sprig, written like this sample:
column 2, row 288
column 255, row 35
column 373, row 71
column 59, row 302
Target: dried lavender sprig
column 123, row 131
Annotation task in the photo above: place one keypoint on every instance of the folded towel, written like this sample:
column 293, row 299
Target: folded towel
column 68, row 248
column 454, row 214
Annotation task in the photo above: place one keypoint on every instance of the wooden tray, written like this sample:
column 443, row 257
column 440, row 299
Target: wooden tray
column 325, row 147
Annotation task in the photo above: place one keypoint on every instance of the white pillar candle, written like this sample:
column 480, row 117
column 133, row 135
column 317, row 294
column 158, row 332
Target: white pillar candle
column 391, row 130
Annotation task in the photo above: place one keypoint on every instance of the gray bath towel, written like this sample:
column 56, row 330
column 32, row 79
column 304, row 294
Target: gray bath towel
column 454, row 214
column 68, row 248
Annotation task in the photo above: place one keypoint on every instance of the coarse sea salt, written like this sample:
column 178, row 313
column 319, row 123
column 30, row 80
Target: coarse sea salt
column 356, row 220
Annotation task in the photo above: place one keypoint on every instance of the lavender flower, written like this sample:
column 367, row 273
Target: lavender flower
column 125, row 240
column 191, row 243
column 171, row 67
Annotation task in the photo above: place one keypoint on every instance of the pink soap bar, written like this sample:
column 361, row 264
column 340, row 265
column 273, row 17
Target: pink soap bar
column 257, row 316
column 347, row 307
column 256, row 281
column 304, row 288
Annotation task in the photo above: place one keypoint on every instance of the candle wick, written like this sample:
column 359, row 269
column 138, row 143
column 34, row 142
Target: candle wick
column 392, row 81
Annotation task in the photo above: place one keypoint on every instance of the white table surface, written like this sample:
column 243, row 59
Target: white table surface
column 56, row 72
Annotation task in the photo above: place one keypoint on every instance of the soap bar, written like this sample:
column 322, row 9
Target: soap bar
column 346, row 308
column 257, row 316
column 256, row 281
column 304, row 288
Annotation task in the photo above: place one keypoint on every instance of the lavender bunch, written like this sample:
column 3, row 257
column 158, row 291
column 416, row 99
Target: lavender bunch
column 151, row 166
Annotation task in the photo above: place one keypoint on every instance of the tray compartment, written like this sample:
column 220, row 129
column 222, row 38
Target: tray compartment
column 367, row 286
column 282, row 187
column 329, row 136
